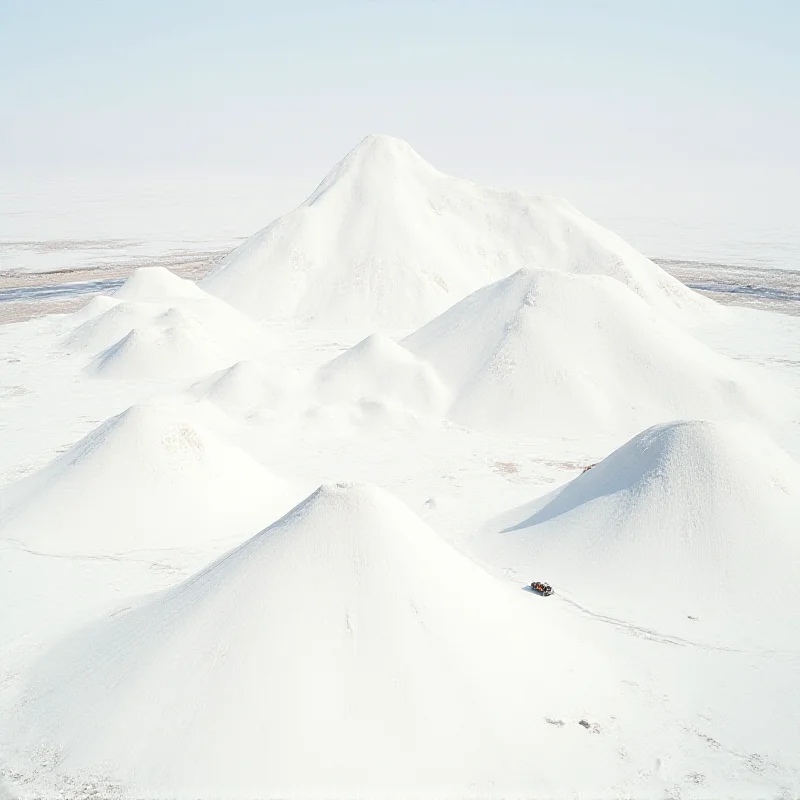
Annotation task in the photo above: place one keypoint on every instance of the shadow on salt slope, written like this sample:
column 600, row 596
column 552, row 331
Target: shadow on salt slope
column 687, row 519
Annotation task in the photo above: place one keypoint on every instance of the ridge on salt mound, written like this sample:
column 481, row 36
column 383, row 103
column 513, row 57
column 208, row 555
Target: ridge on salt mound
column 344, row 651
column 555, row 354
column 689, row 518
column 148, row 478
column 378, row 368
column 388, row 241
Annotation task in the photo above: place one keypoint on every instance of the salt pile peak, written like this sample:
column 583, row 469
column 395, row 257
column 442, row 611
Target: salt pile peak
column 387, row 241
column 157, row 285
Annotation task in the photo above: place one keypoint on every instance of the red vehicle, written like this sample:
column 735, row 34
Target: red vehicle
column 544, row 589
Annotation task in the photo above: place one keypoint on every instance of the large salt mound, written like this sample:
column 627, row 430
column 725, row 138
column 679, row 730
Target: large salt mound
column 555, row 354
column 387, row 240
column 378, row 368
column 345, row 651
column 689, row 518
column 148, row 478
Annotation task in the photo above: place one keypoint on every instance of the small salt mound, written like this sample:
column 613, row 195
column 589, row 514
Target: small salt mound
column 388, row 241
column 555, row 354
column 179, row 296
column 378, row 368
column 247, row 386
column 98, row 305
column 158, row 285
column 162, row 327
column 108, row 326
column 149, row 478
column 159, row 354
column 344, row 651
column 689, row 518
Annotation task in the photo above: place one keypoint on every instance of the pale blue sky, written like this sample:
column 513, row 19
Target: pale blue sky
column 682, row 102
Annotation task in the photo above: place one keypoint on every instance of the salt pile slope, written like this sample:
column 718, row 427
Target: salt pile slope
column 388, row 241
column 689, row 518
column 149, row 478
column 346, row 651
column 378, row 368
column 555, row 354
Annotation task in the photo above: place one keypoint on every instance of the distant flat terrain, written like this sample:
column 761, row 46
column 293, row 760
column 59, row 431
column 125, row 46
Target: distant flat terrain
column 754, row 287
column 24, row 295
